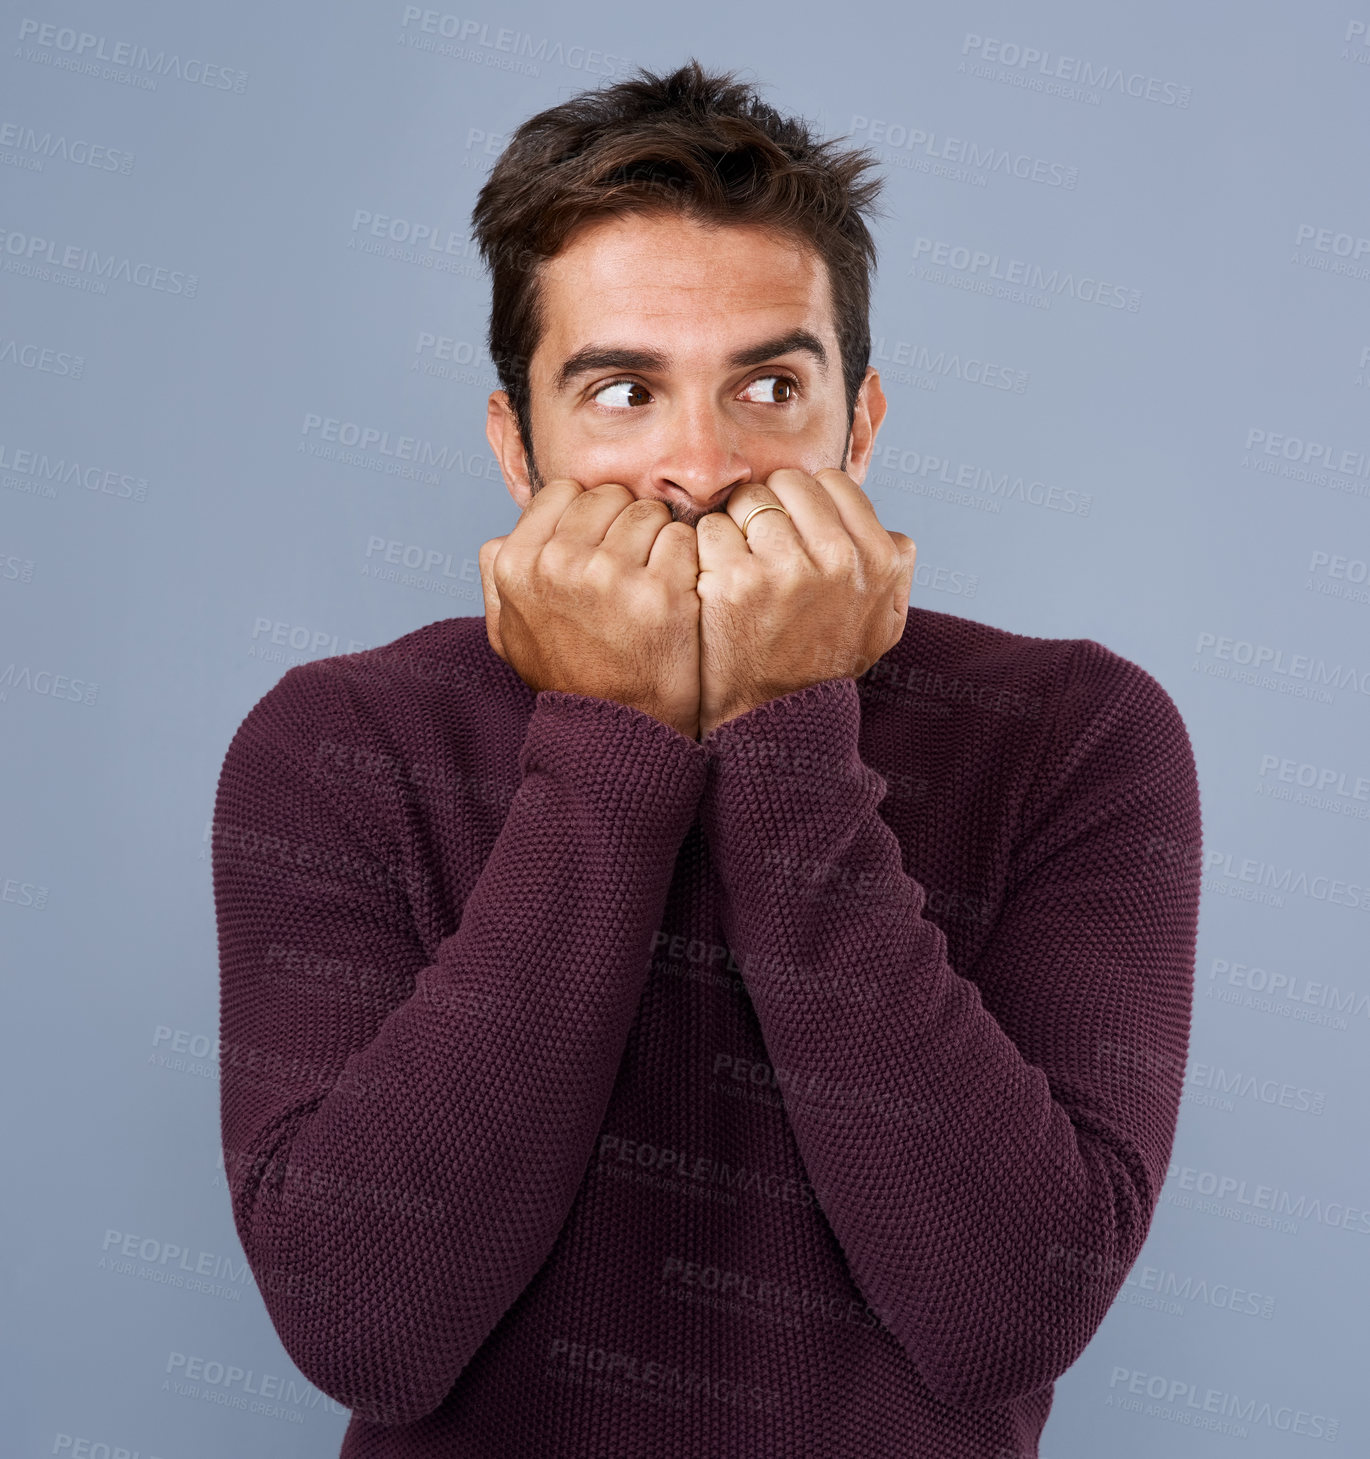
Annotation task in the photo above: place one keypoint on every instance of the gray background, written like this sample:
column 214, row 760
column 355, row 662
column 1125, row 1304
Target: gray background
column 1183, row 478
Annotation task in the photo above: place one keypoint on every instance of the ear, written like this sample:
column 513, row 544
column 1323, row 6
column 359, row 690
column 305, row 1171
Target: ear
column 502, row 431
column 870, row 411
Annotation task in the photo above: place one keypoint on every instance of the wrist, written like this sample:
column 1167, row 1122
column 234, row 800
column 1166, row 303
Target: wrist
column 684, row 722
column 710, row 722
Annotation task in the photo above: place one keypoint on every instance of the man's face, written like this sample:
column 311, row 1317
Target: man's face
column 681, row 360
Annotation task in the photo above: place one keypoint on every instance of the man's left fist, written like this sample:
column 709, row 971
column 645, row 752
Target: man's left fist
column 818, row 595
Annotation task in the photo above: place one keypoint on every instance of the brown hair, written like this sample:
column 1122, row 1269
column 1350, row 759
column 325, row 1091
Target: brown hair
column 701, row 143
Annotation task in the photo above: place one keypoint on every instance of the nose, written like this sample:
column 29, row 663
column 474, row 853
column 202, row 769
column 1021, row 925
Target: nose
column 700, row 459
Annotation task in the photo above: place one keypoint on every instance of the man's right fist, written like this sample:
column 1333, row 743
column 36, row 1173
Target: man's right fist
column 593, row 592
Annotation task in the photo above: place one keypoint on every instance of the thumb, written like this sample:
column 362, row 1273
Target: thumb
column 488, row 552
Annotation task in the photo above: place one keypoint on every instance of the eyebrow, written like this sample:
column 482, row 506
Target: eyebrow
column 645, row 362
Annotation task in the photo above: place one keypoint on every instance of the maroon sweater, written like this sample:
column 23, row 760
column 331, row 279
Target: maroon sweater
column 589, row 1090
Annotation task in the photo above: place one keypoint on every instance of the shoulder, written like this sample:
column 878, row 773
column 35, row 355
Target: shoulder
column 1042, row 713
column 975, row 680
column 421, row 680
column 413, row 722
column 1052, row 681
column 427, row 703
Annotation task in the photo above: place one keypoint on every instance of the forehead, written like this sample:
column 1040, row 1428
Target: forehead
column 638, row 277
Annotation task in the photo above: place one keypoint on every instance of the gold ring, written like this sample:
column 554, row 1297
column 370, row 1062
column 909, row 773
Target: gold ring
column 764, row 507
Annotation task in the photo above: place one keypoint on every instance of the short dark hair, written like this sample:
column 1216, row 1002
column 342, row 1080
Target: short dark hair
column 696, row 142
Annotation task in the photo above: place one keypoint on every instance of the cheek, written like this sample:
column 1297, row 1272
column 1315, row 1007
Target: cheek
column 591, row 460
column 594, row 452
column 809, row 439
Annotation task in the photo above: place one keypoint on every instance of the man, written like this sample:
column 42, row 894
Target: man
column 705, row 1005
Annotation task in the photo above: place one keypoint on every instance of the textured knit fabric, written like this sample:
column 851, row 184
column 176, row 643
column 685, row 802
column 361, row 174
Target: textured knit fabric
column 804, row 1091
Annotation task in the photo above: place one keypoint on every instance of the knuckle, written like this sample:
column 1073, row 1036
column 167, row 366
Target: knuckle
column 610, row 489
column 833, row 559
column 601, row 572
column 681, row 538
column 555, row 559
column 646, row 508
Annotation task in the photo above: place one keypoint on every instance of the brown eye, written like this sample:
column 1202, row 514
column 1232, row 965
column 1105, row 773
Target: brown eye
column 770, row 390
column 624, row 393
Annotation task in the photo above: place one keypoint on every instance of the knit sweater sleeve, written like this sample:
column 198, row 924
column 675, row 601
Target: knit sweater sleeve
column 404, row 1134
column 988, row 1142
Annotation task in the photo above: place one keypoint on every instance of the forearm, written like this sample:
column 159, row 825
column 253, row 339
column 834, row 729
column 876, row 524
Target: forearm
column 409, row 1166
column 961, row 1168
